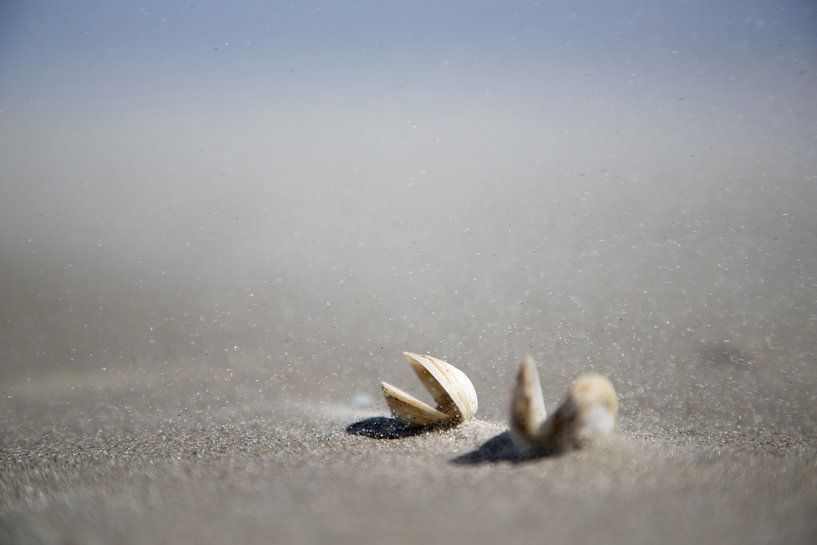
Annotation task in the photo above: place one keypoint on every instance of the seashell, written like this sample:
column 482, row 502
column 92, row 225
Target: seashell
column 527, row 406
column 588, row 413
column 451, row 389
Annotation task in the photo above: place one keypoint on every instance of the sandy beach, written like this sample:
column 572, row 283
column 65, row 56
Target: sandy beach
column 210, row 401
column 221, row 458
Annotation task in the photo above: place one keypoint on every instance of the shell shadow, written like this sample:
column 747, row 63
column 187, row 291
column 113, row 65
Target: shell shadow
column 382, row 427
column 499, row 448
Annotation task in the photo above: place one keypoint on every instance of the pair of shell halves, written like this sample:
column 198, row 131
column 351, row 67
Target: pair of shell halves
column 587, row 414
column 451, row 389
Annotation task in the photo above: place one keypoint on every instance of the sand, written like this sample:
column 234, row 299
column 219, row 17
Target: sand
column 216, row 458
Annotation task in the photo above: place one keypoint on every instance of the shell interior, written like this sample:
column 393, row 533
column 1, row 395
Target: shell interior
column 411, row 410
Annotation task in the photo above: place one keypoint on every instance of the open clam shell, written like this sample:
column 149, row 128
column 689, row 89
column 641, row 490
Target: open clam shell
column 588, row 413
column 451, row 389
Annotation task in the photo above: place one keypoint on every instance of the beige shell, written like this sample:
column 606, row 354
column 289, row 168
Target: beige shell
column 451, row 389
column 588, row 413
column 527, row 405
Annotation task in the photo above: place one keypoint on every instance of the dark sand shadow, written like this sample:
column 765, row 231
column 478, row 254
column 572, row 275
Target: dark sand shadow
column 382, row 427
column 723, row 354
column 496, row 449
column 499, row 448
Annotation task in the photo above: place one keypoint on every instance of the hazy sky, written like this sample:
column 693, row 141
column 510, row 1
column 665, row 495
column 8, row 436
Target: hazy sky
column 97, row 56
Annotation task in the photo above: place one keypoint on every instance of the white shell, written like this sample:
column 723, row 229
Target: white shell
column 451, row 389
column 527, row 406
column 588, row 413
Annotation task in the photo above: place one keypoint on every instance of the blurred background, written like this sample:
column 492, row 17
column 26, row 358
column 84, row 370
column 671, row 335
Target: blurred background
column 285, row 196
